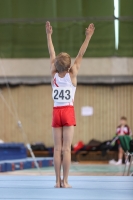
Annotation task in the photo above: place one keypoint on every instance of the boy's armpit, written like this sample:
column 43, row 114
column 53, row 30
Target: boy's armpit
column 53, row 70
column 73, row 79
column 74, row 70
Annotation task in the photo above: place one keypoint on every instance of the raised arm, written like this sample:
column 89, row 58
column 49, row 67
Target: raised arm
column 89, row 32
column 49, row 32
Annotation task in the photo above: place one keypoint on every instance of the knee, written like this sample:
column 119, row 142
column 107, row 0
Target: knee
column 57, row 149
column 66, row 149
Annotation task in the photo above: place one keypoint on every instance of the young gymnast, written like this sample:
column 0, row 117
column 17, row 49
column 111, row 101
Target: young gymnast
column 64, row 82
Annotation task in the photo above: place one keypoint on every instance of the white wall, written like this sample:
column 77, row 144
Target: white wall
column 90, row 66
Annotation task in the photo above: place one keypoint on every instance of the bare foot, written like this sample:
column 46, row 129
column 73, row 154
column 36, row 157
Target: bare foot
column 66, row 185
column 61, row 183
column 58, row 185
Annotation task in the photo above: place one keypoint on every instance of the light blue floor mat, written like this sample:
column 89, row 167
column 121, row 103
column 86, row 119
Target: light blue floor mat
column 84, row 188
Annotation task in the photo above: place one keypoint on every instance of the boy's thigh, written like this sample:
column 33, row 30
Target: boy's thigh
column 68, row 132
column 57, row 136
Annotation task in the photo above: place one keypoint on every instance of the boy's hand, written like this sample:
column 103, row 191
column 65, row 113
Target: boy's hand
column 49, row 28
column 90, row 30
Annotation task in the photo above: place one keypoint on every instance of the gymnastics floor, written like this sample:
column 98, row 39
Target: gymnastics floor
column 84, row 188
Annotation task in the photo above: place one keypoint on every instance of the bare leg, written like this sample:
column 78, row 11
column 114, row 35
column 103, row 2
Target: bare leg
column 68, row 132
column 120, row 156
column 57, row 135
column 120, row 153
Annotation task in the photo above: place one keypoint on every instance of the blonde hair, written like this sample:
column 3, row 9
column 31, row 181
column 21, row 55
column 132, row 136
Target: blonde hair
column 62, row 62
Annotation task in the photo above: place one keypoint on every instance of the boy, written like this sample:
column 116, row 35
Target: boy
column 64, row 82
column 122, row 129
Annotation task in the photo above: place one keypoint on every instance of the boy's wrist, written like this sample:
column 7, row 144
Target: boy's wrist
column 48, row 35
column 88, row 37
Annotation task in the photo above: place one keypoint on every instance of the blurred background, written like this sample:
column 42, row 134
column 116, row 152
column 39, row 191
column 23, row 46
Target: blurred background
column 105, row 80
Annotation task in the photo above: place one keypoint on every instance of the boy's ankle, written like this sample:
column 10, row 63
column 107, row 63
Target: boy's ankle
column 64, row 181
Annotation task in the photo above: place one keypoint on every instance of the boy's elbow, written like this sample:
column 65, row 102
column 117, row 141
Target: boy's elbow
column 80, row 55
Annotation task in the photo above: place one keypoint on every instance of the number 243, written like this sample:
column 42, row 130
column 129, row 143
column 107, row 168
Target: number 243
column 62, row 95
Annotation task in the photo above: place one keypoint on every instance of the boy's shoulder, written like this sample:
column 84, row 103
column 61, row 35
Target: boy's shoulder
column 119, row 126
column 126, row 126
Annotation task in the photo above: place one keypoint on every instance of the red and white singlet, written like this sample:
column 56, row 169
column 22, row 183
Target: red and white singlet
column 63, row 90
column 63, row 96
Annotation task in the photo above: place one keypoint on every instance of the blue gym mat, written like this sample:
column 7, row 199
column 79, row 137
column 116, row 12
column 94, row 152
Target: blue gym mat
column 27, row 163
column 84, row 188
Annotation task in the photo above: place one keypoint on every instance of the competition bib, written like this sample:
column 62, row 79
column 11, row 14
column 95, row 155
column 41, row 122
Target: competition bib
column 62, row 94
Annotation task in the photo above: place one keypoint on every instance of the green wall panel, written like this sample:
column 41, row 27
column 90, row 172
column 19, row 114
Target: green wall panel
column 126, row 29
column 29, row 40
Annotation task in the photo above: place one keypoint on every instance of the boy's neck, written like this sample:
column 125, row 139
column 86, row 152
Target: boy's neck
column 62, row 74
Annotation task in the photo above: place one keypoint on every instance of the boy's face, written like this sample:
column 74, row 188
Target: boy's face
column 123, row 122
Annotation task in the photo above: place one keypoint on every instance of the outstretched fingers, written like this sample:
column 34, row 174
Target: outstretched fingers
column 91, row 26
column 47, row 23
column 48, row 27
column 90, row 29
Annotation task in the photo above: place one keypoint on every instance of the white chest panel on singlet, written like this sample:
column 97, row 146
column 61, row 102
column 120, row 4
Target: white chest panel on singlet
column 63, row 90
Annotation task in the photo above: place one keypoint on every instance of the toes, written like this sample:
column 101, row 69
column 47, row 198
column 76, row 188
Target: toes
column 66, row 186
column 57, row 186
